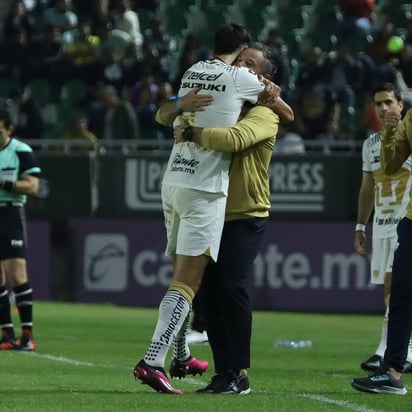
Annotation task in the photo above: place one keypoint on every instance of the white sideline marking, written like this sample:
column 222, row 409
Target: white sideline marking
column 192, row 381
column 344, row 404
column 73, row 361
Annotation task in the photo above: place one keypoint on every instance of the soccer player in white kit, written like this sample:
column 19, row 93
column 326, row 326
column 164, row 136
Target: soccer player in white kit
column 194, row 192
column 388, row 195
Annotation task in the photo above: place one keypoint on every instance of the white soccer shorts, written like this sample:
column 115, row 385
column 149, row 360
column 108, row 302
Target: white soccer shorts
column 194, row 221
column 382, row 258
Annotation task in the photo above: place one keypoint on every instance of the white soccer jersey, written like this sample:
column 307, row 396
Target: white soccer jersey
column 190, row 165
column 391, row 191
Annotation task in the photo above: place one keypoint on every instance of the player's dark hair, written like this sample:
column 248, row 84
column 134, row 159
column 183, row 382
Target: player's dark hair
column 269, row 66
column 230, row 37
column 388, row 87
column 5, row 117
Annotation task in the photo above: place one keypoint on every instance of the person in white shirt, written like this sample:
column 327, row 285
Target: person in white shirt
column 194, row 192
column 127, row 20
column 388, row 197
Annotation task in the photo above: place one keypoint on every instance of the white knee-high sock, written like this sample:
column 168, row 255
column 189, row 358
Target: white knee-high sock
column 384, row 334
column 173, row 311
column 409, row 358
column 181, row 349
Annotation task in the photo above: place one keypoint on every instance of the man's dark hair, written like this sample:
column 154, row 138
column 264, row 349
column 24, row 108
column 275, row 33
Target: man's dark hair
column 230, row 37
column 5, row 117
column 388, row 87
column 269, row 67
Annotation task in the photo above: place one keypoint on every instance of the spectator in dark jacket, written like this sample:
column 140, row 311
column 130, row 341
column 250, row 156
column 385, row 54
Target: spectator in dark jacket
column 26, row 115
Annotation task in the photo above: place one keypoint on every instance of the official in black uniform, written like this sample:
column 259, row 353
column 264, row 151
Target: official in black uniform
column 19, row 177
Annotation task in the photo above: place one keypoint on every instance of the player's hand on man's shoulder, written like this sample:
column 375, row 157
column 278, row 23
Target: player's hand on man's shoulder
column 270, row 93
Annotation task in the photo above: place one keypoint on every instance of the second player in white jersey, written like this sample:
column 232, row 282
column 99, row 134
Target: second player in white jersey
column 191, row 166
column 391, row 191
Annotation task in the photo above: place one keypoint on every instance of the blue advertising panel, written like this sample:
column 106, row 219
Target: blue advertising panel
column 302, row 266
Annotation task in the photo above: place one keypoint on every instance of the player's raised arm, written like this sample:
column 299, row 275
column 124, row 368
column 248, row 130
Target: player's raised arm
column 395, row 147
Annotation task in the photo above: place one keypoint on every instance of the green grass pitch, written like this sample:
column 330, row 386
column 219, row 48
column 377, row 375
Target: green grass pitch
column 86, row 353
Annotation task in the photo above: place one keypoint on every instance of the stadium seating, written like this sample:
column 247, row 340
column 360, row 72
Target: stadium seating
column 175, row 19
column 255, row 20
column 73, row 91
column 235, row 14
column 6, row 85
column 40, row 91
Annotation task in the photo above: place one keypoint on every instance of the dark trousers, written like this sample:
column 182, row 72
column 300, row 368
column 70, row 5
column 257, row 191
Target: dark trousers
column 198, row 309
column 228, row 307
column 400, row 306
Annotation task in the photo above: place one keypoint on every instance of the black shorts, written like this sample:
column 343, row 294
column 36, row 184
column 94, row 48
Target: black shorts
column 13, row 236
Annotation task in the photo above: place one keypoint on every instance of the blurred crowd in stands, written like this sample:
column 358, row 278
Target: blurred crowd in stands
column 98, row 69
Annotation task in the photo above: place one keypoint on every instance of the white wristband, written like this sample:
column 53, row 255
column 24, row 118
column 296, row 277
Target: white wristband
column 360, row 227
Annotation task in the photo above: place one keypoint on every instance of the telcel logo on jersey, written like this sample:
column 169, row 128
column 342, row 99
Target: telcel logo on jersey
column 105, row 262
column 205, row 77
